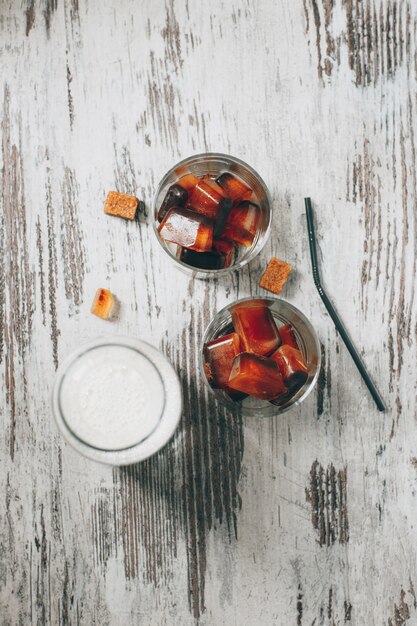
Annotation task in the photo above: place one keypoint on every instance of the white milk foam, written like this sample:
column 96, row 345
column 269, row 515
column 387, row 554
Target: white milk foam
column 112, row 397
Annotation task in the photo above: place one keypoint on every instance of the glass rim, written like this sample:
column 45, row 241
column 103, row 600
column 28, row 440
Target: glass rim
column 208, row 273
column 163, row 430
column 266, row 411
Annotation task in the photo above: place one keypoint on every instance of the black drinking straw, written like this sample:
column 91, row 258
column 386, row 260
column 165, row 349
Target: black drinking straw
column 332, row 312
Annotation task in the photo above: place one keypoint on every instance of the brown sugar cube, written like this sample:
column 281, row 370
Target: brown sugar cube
column 275, row 276
column 121, row 205
column 103, row 304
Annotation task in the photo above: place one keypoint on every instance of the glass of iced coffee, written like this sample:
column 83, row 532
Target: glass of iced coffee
column 260, row 356
column 212, row 214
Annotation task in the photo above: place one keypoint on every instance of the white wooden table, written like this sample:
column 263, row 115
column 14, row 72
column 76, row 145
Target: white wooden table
column 307, row 519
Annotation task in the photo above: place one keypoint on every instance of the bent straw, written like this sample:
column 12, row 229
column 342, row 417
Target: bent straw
column 332, row 312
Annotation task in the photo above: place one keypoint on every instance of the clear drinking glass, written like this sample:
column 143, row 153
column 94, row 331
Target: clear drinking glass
column 117, row 400
column 214, row 164
column 283, row 313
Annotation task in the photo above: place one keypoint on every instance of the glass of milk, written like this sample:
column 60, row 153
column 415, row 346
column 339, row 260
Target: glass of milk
column 117, row 400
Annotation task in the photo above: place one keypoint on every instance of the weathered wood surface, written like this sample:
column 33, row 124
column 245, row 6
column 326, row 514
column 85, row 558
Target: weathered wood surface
column 306, row 519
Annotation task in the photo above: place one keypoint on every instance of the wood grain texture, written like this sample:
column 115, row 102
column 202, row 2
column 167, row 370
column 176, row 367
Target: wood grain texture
column 305, row 519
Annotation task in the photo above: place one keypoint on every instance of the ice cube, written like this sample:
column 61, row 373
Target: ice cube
column 242, row 223
column 292, row 366
column 257, row 376
column 213, row 183
column 188, row 182
column 255, row 325
column 220, row 257
column 187, row 229
column 226, row 248
column 223, row 212
column 288, row 336
column 224, row 207
column 203, row 260
column 103, row 304
column 219, row 355
column 175, row 196
column 206, row 200
column 234, row 187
